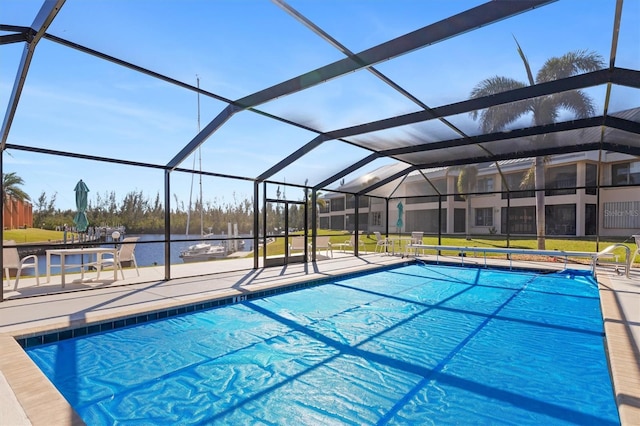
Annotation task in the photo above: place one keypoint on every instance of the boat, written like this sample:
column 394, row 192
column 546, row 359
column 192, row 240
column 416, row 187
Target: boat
column 201, row 251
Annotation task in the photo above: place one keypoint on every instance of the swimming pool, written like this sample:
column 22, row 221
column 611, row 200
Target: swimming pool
column 418, row 344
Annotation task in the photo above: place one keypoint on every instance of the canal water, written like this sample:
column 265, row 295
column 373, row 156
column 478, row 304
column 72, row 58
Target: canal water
column 147, row 254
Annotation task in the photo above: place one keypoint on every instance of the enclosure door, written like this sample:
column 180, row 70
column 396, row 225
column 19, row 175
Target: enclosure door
column 285, row 230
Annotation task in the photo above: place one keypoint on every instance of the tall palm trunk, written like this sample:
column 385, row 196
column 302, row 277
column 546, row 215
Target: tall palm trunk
column 466, row 184
column 539, row 186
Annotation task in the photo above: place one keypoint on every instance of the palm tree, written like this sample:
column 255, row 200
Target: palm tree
column 543, row 110
column 11, row 183
column 11, row 191
column 466, row 183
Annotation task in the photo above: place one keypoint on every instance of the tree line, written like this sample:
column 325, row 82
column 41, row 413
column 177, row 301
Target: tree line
column 141, row 214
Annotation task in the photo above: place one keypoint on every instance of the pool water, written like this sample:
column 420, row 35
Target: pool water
column 418, row 344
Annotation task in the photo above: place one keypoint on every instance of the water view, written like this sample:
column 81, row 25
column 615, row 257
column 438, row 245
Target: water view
column 147, row 254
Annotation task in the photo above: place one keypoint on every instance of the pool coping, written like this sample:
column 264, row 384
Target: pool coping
column 622, row 350
column 43, row 404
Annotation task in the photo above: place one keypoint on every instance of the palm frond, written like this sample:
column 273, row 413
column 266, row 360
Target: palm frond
column 528, row 179
column 526, row 63
column 546, row 111
column 575, row 101
column 466, row 179
column 569, row 64
column 496, row 118
column 11, row 183
column 493, row 85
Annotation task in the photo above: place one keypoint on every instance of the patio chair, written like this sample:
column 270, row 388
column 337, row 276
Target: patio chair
column 351, row 242
column 11, row 260
column 637, row 251
column 416, row 238
column 382, row 243
column 126, row 255
column 297, row 244
column 323, row 243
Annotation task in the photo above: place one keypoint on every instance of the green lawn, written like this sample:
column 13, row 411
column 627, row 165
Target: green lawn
column 568, row 244
column 35, row 235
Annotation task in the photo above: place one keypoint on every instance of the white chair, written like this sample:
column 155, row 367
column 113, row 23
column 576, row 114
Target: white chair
column 323, row 242
column 637, row 252
column 351, row 242
column 416, row 238
column 126, row 254
column 11, row 260
column 382, row 243
column 297, row 244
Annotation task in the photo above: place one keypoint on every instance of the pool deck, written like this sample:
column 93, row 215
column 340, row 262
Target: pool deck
column 28, row 398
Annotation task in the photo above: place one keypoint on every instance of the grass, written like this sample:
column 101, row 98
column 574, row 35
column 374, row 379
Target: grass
column 34, row 235
column 567, row 244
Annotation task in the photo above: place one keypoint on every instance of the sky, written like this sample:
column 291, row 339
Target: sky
column 76, row 102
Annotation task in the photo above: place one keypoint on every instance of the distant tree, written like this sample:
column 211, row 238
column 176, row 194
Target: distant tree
column 543, row 109
column 44, row 208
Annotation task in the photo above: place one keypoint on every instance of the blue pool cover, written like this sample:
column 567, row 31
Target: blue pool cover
column 418, row 344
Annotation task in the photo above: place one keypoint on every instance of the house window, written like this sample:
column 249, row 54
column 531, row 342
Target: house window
column 426, row 220
column 376, row 218
column 459, row 219
column 337, row 222
column 561, row 180
column 431, row 189
column 351, row 201
column 522, row 220
column 590, row 219
column 457, row 196
column 560, row 219
column 484, row 216
column 591, row 180
column 518, row 187
column 625, row 173
column 485, row 184
column 337, row 204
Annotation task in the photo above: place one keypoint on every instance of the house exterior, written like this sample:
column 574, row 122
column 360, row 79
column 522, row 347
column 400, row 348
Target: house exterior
column 572, row 202
column 16, row 213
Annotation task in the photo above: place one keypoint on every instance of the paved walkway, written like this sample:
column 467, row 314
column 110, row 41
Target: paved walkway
column 27, row 397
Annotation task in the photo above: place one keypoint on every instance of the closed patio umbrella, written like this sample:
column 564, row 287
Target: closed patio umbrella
column 80, row 219
column 399, row 223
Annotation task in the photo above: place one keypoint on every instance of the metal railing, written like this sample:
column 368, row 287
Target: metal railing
column 609, row 251
column 510, row 251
